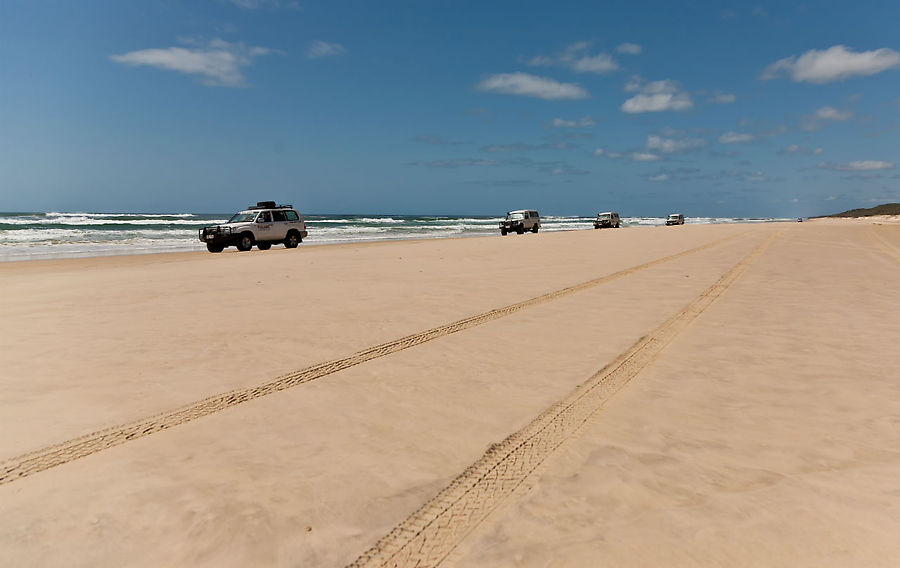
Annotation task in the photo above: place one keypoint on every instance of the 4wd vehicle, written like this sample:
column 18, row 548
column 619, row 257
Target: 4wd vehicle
column 521, row 221
column 675, row 219
column 262, row 225
column 608, row 219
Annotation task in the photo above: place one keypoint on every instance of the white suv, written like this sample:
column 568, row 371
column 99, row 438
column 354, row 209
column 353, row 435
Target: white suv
column 520, row 221
column 608, row 219
column 263, row 225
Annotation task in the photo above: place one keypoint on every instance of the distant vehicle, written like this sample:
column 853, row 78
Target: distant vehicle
column 520, row 221
column 608, row 219
column 262, row 225
column 675, row 219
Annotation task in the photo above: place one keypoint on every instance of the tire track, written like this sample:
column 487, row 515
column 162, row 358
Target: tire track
column 883, row 243
column 64, row 452
column 427, row 536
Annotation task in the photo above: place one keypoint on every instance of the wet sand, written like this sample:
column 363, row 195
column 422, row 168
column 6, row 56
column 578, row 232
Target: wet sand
column 763, row 432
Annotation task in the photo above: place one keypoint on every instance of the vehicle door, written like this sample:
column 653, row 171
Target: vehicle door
column 294, row 222
column 279, row 225
column 264, row 226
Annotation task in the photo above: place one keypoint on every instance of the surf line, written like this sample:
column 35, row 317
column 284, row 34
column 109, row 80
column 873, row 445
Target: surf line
column 427, row 536
column 64, row 452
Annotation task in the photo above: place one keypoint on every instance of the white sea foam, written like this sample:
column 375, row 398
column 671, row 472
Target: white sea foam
column 28, row 236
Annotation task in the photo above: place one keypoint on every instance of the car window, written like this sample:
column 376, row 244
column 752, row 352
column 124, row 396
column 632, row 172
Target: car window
column 278, row 216
column 241, row 217
column 264, row 217
column 291, row 215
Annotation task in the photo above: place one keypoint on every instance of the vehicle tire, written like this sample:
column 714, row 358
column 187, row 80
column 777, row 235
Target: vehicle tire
column 246, row 242
column 214, row 248
column 520, row 231
column 535, row 229
column 292, row 240
column 503, row 232
column 617, row 225
column 263, row 246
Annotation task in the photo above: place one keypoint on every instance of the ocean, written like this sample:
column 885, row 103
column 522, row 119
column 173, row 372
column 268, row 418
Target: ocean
column 34, row 236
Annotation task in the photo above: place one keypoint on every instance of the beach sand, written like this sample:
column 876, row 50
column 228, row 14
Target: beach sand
column 759, row 426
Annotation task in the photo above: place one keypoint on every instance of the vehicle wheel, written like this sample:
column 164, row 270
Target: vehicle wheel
column 503, row 232
column 263, row 246
column 617, row 225
column 214, row 248
column 292, row 240
column 535, row 229
column 246, row 242
column 520, row 231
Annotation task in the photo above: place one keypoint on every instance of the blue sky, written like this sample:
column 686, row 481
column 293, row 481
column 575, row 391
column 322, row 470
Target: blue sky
column 713, row 109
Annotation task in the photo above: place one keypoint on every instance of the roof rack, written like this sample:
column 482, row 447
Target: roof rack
column 269, row 205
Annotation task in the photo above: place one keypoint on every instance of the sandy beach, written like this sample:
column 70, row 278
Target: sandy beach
column 698, row 395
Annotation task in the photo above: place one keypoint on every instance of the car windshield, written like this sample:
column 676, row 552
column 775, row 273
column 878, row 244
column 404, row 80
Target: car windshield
column 673, row 216
column 603, row 216
column 242, row 217
column 515, row 216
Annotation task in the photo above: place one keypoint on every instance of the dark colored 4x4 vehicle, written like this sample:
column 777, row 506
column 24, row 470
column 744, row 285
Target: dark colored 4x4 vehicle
column 262, row 225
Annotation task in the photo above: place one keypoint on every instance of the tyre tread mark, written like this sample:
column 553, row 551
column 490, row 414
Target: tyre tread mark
column 58, row 454
column 427, row 536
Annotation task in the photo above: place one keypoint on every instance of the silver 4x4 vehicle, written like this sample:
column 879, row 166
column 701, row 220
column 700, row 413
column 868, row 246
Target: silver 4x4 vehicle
column 263, row 225
column 521, row 221
column 608, row 219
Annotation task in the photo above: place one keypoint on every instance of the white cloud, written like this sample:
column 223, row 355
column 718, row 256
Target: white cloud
column 798, row 150
column 822, row 116
column 857, row 166
column 722, row 98
column 580, row 123
column 831, row 113
column 629, row 48
column 599, row 152
column 657, row 87
column 599, row 64
column 577, row 58
column 657, row 103
column 644, row 157
column 219, row 63
column 527, row 85
column 659, row 177
column 672, row 145
column 318, row 48
column 540, row 61
column 735, row 138
column 572, row 51
column 655, row 96
column 633, row 84
column 833, row 64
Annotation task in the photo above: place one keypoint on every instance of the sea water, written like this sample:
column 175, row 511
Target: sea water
column 33, row 236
